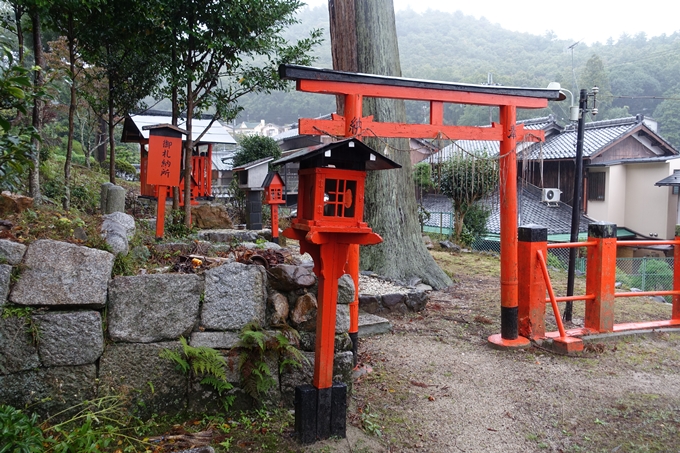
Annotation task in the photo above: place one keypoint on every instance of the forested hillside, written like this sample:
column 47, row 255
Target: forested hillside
column 635, row 74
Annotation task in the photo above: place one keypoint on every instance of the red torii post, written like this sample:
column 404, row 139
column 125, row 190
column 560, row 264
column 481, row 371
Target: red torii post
column 354, row 87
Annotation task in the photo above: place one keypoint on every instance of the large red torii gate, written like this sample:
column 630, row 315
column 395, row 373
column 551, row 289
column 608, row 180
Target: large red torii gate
column 354, row 87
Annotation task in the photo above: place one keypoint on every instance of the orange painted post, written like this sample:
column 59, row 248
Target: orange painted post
column 160, row 212
column 676, row 276
column 209, row 171
column 532, row 286
column 601, row 277
column 509, row 336
column 333, row 255
column 353, row 270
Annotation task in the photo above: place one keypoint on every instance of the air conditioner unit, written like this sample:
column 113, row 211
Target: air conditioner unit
column 551, row 195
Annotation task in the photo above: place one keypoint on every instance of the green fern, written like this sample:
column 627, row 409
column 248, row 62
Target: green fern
column 255, row 347
column 204, row 363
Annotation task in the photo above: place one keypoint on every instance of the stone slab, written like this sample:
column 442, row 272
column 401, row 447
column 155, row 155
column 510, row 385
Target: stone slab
column 62, row 274
column 70, row 338
column 215, row 340
column 235, row 294
column 136, row 371
column 372, row 325
column 152, row 308
column 17, row 350
column 11, row 252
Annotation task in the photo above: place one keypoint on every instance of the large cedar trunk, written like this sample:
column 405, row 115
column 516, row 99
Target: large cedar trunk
column 390, row 207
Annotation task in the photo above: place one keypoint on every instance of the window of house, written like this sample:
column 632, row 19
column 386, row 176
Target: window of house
column 596, row 186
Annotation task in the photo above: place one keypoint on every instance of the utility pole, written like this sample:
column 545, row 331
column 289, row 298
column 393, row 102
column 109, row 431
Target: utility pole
column 576, row 201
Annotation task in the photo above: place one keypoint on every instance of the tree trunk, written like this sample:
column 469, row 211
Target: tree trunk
column 66, row 202
column 187, row 157
column 390, row 207
column 34, row 173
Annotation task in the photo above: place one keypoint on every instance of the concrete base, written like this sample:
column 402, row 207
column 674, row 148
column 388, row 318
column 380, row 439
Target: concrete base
column 498, row 342
column 567, row 345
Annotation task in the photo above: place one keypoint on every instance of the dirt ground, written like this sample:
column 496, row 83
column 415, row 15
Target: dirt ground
column 436, row 386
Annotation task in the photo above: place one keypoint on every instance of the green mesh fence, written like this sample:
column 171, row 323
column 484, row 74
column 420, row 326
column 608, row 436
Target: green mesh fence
column 644, row 274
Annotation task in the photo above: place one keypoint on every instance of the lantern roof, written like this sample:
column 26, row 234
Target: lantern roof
column 350, row 154
column 273, row 177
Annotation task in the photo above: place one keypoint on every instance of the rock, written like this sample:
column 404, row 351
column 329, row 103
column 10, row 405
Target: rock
column 69, row 339
column 12, row 252
column 292, row 377
column 262, row 246
column 227, row 235
column 343, row 362
column 17, row 350
column 423, row 287
column 414, row 281
column 416, row 301
column 395, row 302
column 104, row 195
column 126, row 220
column 345, row 289
column 48, row 391
column 450, row 245
column 210, row 216
column 172, row 248
column 62, row 274
column 303, row 314
column 286, row 277
column 152, row 383
column 215, row 340
column 80, row 234
column 428, row 242
column 152, row 308
column 370, row 303
column 5, row 278
column 341, row 319
column 115, row 199
column 307, row 342
column 277, row 305
column 117, row 229
column 11, row 203
column 235, row 294
column 140, row 253
column 372, row 325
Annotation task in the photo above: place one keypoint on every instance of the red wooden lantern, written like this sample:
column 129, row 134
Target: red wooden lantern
column 273, row 188
column 329, row 220
column 273, row 196
column 164, row 164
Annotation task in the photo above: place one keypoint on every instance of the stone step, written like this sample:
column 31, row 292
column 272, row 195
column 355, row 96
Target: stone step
column 372, row 325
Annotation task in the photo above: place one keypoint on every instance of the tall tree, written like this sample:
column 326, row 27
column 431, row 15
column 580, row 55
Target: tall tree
column 364, row 39
column 226, row 50
column 35, row 9
column 668, row 115
column 466, row 178
column 113, row 41
column 64, row 16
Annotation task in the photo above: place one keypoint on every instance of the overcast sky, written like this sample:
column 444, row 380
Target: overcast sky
column 585, row 20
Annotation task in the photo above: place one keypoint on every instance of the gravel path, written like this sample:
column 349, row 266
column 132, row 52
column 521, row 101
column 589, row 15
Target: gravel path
column 436, row 386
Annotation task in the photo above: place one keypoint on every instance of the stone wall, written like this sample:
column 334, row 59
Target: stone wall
column 88, row 334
